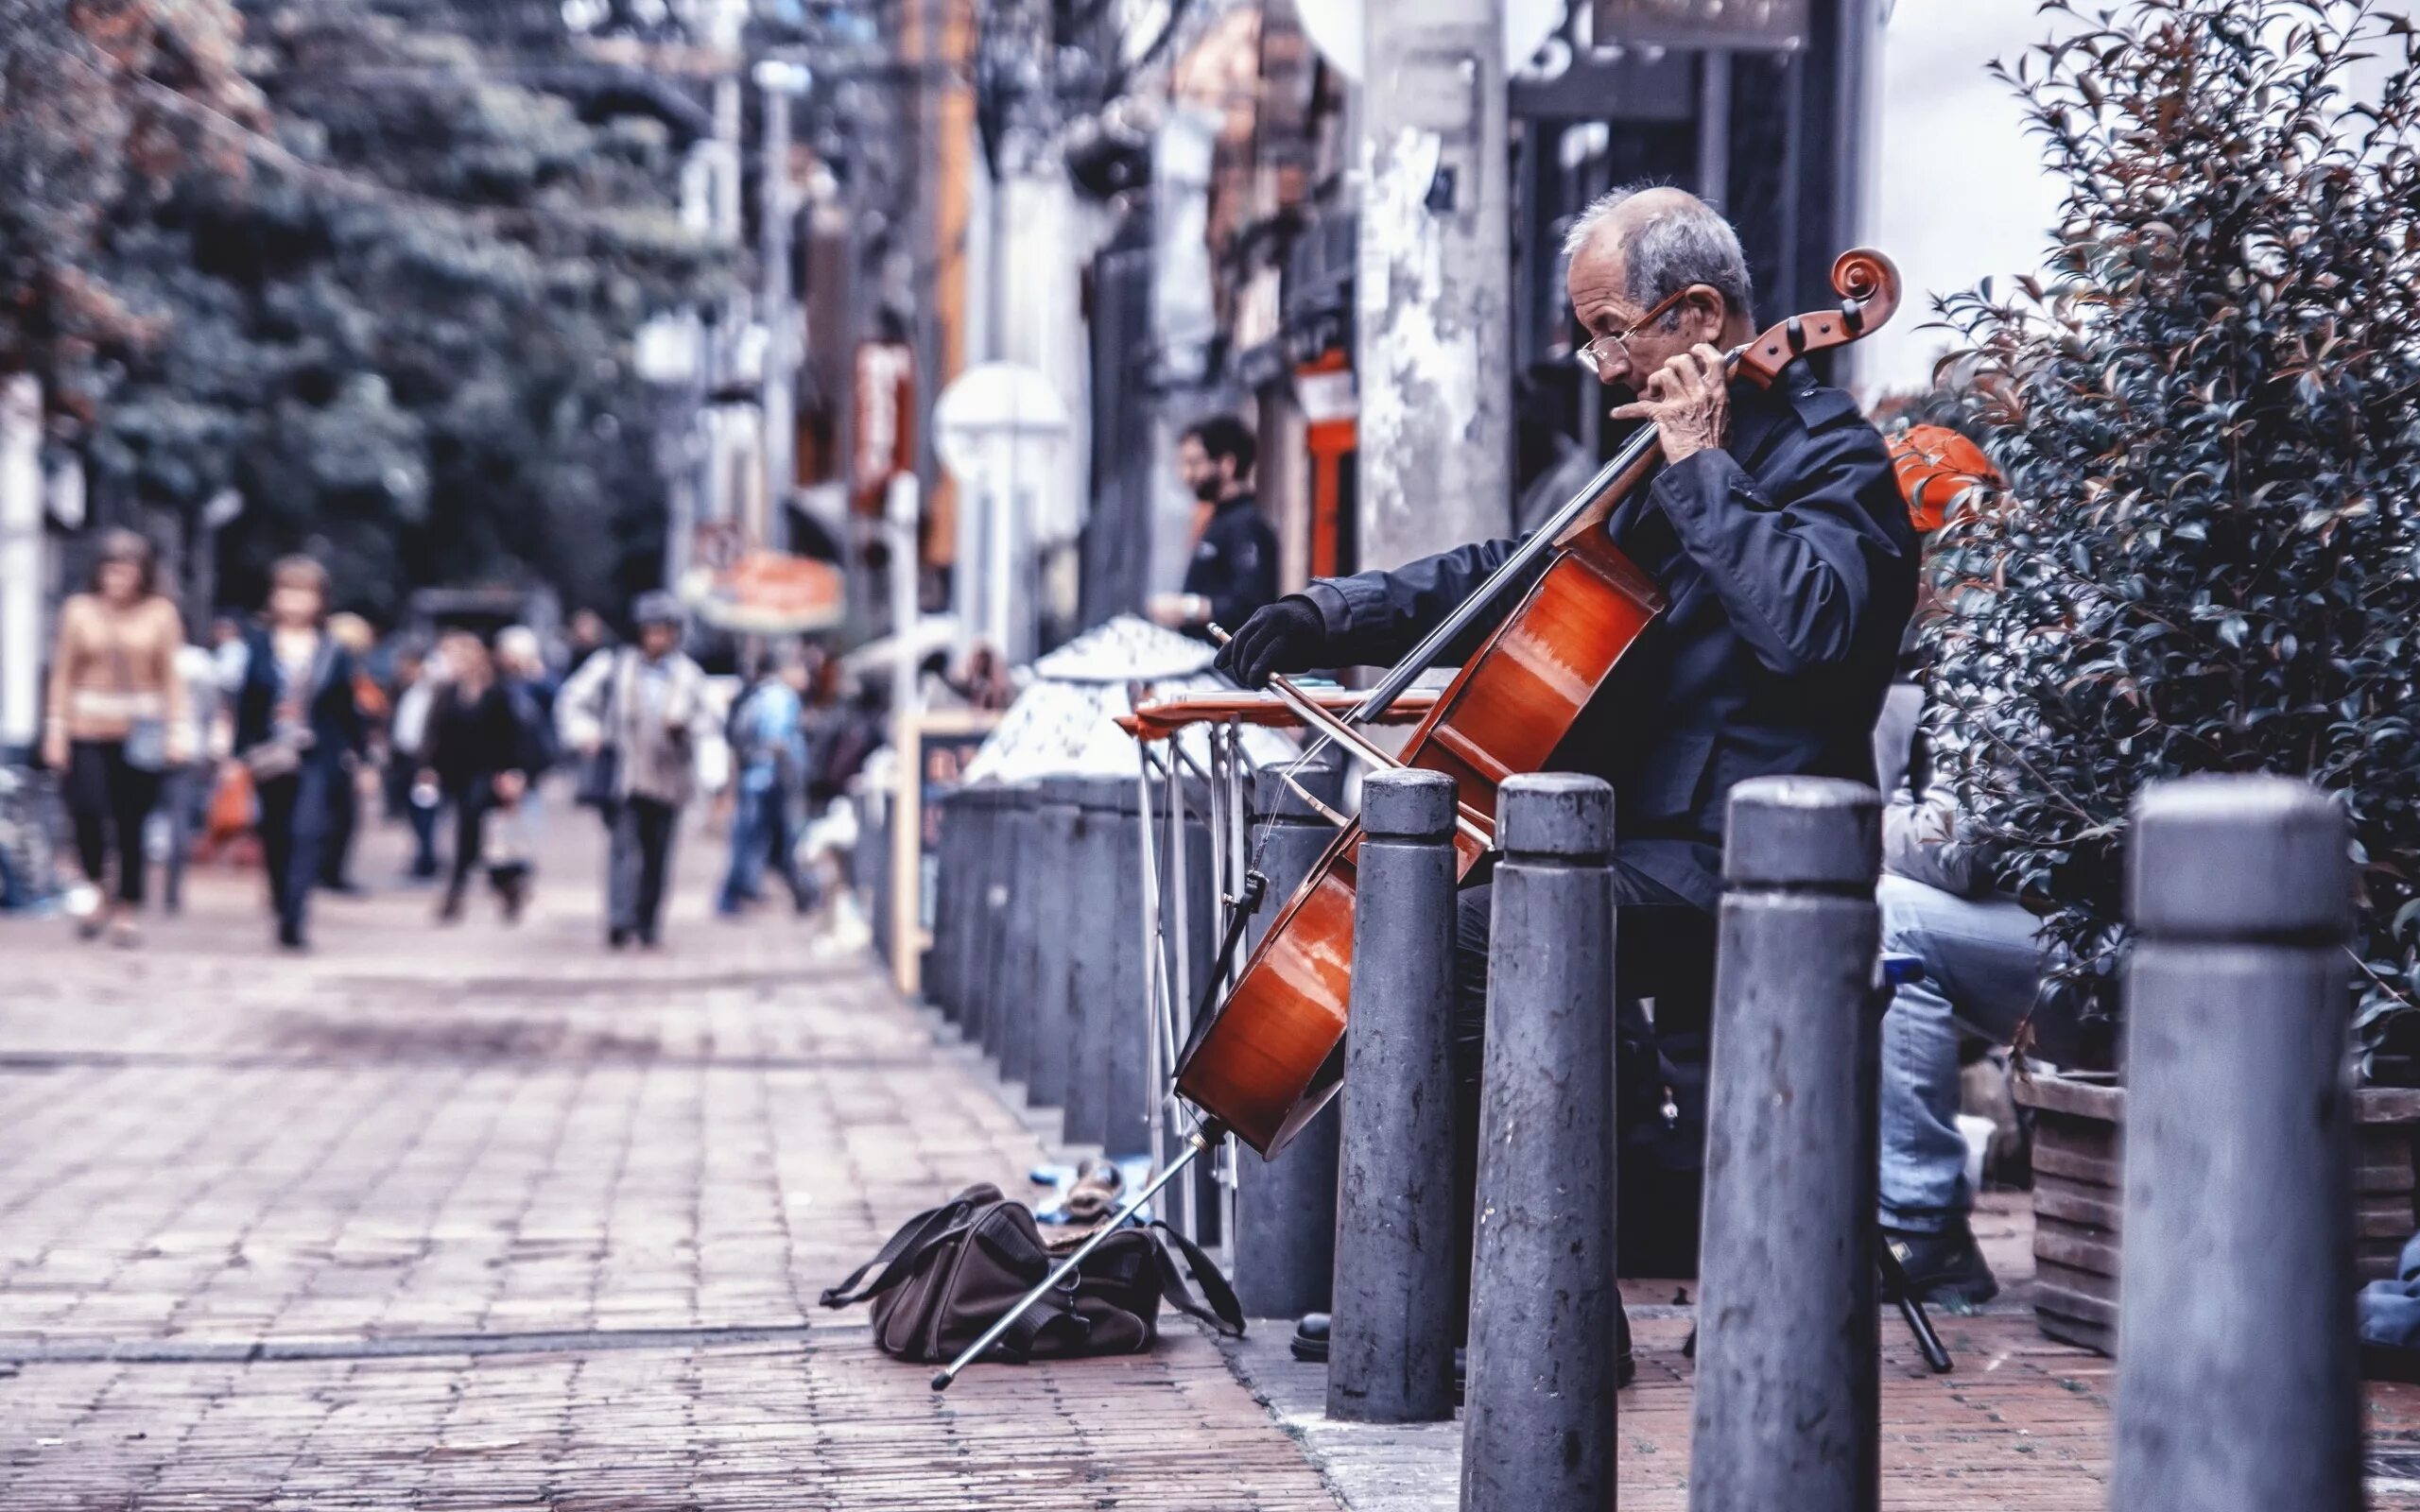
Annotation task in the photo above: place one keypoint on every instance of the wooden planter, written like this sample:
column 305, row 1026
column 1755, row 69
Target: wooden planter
column 2077, row 1195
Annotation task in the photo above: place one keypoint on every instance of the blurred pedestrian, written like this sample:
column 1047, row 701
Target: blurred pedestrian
column 521, row 666
column 186, row 794
column 638, row 717
column 227, row 630
column 769, row 757
column 984, row 679
column 352, row 632
column 116, row 719
column 297, row 733
column 584, row 637
column 418, row 679
column 483, row 749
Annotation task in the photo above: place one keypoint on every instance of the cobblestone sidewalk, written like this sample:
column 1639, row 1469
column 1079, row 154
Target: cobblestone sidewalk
column 489, row 1217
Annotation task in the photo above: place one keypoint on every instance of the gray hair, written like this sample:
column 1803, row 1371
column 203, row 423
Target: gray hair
column 1689, row 243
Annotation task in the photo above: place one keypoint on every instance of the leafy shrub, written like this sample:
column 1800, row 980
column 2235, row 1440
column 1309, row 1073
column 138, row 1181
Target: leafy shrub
column 2207, row 556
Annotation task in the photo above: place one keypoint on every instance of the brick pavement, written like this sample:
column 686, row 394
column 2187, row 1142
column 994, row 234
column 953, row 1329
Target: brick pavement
column 489, row 1218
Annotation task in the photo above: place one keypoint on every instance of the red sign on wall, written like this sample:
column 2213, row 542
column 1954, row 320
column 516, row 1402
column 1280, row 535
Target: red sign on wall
column 882, row 438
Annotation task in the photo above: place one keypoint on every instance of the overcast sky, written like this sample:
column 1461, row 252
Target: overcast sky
column 1960, row 190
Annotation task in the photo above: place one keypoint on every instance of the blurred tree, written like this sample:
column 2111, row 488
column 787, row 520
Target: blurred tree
column 98, row 100
column 404, row 334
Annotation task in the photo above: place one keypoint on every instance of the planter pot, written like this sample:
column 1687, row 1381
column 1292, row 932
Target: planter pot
column 2078, row 1193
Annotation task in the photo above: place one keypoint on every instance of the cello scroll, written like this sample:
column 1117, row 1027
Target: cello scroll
column 1868, row 283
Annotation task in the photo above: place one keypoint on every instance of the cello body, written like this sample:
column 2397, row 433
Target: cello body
column 1272, row 1055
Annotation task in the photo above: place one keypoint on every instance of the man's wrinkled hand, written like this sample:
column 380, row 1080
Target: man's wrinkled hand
column 1287, row 636
column 1689, row 401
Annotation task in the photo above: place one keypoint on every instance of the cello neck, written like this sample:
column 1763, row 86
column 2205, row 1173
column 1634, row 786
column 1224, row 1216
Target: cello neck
column 1868, row 284
column 1597, row 497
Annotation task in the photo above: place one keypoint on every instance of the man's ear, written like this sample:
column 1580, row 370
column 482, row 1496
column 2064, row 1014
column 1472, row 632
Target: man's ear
column 1703, row 311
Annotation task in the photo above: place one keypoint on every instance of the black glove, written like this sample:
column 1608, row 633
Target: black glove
column 1287, row 636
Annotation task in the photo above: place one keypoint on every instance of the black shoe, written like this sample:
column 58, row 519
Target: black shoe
column 289, row 937
column 617, row 939
column 1310, row 1343
column 1944, row 1269
column 450, row 908
column 1310, row 1339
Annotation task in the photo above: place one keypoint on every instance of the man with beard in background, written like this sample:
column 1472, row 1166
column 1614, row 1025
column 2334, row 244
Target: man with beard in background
column 1234, row 570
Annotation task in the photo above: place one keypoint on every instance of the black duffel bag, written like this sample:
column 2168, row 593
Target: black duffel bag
column 953, row 1270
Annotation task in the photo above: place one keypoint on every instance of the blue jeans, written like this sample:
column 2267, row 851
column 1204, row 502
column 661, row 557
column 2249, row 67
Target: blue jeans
column 1981, row 965
column 760, row 831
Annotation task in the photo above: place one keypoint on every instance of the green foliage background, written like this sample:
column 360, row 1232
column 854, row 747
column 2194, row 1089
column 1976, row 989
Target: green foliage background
column 395, row 308
column 2207, row 558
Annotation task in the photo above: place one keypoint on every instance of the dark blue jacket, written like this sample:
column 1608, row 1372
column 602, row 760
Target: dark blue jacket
column 335, row 719
column 1234, row 566
column 1790, row 570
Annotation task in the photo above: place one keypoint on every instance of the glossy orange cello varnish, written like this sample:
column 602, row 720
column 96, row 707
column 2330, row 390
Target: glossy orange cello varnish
column 1271, row 1056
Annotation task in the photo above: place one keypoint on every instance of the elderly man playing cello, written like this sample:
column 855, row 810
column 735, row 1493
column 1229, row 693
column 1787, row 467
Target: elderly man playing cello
column 1785, row 555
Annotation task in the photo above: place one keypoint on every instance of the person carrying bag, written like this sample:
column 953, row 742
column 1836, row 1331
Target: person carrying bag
column 952, row 1271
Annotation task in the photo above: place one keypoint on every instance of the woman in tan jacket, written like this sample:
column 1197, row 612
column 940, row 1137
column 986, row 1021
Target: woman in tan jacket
column 116, row 717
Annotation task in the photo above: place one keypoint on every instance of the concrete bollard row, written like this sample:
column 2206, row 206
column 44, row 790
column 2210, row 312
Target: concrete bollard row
column 1106, row 1078
column 1009, row 1034
column 986, row 906
column 1054, row 876
column 940, row 979
column 1390, row 1342
column 1538, row 1427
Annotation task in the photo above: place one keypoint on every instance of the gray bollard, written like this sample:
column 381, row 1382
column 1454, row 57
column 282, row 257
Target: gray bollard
column 1286, row 1208
column 1029, row 911
column 1101, row 901
column 874, row 865
column 1056, row 817
column 992, row 944
column 982, row 918
column 974, row 862
column 1390, row 1341
column 967, row 817
column 1538, row 1428
column 1127, row 1027
column 1788, row 1391
column 2238, row 1369
column 1005, row 890
column 941, row 981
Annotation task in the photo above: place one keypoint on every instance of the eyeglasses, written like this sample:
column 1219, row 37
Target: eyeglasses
column 1592, row 356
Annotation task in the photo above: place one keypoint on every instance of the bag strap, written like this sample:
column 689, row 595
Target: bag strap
column 1016, row 1345
column 1225, row 1314
column 918, row 1238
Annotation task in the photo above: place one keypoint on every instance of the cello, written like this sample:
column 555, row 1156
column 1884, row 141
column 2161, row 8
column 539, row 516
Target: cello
column 1262, row 1064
